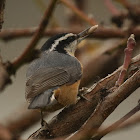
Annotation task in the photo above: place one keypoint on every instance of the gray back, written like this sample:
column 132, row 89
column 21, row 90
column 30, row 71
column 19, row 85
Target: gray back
column 57, row 60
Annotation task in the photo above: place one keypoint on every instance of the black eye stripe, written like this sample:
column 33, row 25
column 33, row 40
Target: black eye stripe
column 63, row 43
column 60, row 44
column 47, row 45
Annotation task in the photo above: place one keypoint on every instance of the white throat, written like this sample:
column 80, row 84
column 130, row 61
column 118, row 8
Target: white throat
column 71, row 48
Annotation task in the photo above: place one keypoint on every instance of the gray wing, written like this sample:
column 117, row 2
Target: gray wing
column 50, row 71
column 42, row 100
column 44, row 79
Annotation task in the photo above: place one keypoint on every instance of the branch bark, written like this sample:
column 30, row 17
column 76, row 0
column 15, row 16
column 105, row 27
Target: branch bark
column 2, row 7
column 107, row 107
column 23, row 58
column 27, row 54
column 72, row 118
column 101, row 33
column 101, row 133
column 128, row 56
column 78, row 12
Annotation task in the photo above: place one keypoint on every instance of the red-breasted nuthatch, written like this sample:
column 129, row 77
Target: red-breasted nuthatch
column 56, row 75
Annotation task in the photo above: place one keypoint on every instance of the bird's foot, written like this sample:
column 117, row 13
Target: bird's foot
column 82, row 92
column 45, row 130
column 43, row 123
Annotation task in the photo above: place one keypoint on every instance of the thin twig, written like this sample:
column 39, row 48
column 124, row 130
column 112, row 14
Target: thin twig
column 74, row 20
column 101, row 133
column 4, row 76
column 133, row 11
column 23, row 122
column 125, row 3
column 2, row 7
column 101, row 33
column 78, row 12
column 127, row 60
column 5, row 134
column 114, row 11
column 39, row 33
column 134, row 120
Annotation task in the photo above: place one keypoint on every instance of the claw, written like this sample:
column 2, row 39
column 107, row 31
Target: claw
column 83, row 97
column 43, row 122
column 82, row 92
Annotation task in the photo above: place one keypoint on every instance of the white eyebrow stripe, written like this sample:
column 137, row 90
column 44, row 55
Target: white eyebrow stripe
column 60, row 39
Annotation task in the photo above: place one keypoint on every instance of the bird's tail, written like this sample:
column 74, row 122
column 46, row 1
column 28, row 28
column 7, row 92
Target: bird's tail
column 42, row 100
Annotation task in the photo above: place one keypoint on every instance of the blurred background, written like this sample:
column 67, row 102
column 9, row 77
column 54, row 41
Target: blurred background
column 27, row 14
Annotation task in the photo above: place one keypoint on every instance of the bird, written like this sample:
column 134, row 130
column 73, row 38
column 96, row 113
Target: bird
column 55, row 76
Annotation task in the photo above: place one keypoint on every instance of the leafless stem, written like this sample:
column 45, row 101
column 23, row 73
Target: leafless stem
column 39, row 33
column 22, row 123
column 6, row 69
column 127, row 60
column 101, row 33
column 125, row 3
column 133, row 11
column 4, row 75
column 114, row 11
column 5, row 134
column 101, row 133
column 2, row 7
column 78, row 12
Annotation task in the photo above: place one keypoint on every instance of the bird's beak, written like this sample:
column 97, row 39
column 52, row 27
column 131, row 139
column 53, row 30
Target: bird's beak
column 82, row 35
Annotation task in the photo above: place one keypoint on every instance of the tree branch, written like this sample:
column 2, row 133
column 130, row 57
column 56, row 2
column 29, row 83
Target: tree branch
column 101, row 33
column 72, row 118
column 101, row 133
column 23, row 58
column 2, row 7
column 106, row 107
column 127, row 60
column 22, row 122
column 27, row 54
column 114, row 11
column 4, row 75
column 78, row 12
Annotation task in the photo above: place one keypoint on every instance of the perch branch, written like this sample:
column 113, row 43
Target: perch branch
column 102, row 56
column 105, row 108
column 62, row 124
